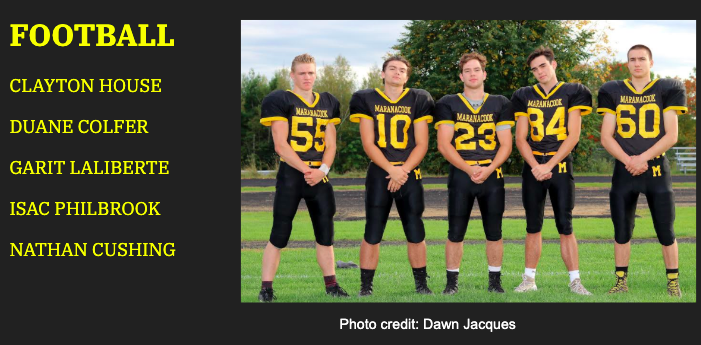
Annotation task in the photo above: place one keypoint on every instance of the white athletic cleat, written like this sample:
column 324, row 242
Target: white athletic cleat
column 577, row 287
column 528, row 284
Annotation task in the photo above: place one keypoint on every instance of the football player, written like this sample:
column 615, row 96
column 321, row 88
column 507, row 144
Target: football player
column 394, row 132
column 474, row 135
column 640, row 124
column 552, row 110
column 303, row 125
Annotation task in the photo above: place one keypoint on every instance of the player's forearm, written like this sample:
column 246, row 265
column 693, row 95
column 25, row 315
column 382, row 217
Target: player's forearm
column 329, row 154
column 564, row 150
column 285, row 151
column 501, row 156
column 452, row 156
column 614, row 149
column 416, row 155
column 660, row 147
column 526, row 152
column 376, row 156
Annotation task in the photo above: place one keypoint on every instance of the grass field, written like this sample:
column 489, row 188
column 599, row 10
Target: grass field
column 299, row 278
column 444, row 186
column 256, row 227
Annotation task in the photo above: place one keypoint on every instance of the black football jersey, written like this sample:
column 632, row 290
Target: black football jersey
column 548, row 115
column 307, row 122
column 393, row 120
column 639, row 123
column 475, row 136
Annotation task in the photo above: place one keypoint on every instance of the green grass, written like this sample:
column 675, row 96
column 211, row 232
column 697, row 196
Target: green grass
column 299, row 278
column 256, row 227
column 431, row 186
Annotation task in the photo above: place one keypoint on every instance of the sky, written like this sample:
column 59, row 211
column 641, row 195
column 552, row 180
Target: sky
column 267, row 46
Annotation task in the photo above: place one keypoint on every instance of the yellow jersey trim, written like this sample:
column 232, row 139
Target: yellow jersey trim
column 519, row 113
column 305, row 101
column 395, row 163
column 308, row 163
column 679, row 109
column 603, row 111
column 630, row 86
column 544, row 154
column 585, row 109
column 464, row 100
column 427, row 118
column 389, row 100
column 444, row 122
column 512, row 123
column 356, row 117
column 268, row 120
column 551, row 91
column 335, row 121
column 486, row 161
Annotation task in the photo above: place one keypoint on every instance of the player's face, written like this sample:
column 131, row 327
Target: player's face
column 396, row 73
column 639, row 63
column 304, row 76
column 543, row 70
column 473, row 75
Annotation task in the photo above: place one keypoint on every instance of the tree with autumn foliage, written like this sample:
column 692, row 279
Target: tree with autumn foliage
column 687, row 123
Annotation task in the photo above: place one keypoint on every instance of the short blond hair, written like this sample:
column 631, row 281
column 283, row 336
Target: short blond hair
column 304, row 58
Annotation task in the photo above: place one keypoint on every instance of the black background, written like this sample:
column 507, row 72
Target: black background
column 194, row 123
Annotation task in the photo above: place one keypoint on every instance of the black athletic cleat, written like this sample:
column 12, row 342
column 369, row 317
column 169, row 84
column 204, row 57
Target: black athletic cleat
column 451, row 287
column 336, row 291
column 365, row 289
column 266, row 295
column 422, row 285
column 495, row 282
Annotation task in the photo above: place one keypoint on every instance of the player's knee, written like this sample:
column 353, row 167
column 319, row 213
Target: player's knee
column 533, row 230
column 456, row 236
column 494, row 236
column 279, row 241
column 372, row 238
column 622, row 237
column 415, row 236
column 666, row 237
column 326, row 240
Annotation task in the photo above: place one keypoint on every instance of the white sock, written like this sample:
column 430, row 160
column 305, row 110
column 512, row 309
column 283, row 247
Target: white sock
column 573, row 275
column 494, row 268
column 530, row 272
column 455, row 270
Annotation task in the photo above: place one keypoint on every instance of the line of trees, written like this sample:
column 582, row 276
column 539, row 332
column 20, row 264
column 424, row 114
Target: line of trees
column 434, row 49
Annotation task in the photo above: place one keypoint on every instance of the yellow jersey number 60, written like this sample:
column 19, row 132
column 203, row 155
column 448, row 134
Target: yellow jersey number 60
column 309, row 140
column 382, row 142
column 555, row 127
column 620, row 121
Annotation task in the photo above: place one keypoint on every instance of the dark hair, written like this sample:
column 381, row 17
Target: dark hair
column 397, row 58
column 640, row 46
column 544, row 51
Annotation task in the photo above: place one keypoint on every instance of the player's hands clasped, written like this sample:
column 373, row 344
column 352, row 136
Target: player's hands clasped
column 398, row 177
column 481, row 174
column 542, row 172
column 313, row 176
column 636, row 165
